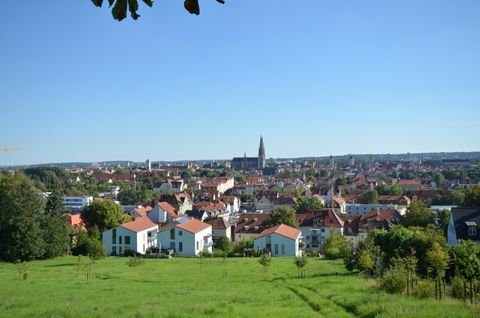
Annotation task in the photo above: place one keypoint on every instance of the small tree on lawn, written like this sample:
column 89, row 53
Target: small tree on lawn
column 301, row 262
column 437, row 259
column 365, row 263
column 265, row 260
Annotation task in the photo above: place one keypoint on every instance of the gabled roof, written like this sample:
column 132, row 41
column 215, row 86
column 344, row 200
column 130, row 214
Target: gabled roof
column 463, row 218
column 139, row 225
column 218, row 224
column 326, row 218
column 165, row 206
column 283, row 230
column 251, row 223
column 193, row 226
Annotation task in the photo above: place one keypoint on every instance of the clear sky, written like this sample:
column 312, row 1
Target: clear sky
column 314, row 77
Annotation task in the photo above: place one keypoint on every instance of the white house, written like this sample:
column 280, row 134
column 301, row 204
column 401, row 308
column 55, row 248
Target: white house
column 220, row 227
column 162, row 212
column 281, row 240
column 136, row 236
column 76, row 204
column 188, row 238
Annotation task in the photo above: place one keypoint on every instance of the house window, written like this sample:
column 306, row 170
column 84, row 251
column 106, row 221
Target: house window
column 198, row 245
column 323, row 230
column 276, row 249
column 283, row 249
column 180, row 233
column 127, row 239
column 114, row 236
column 180, row 246
column 172, row 234
column 114, row 250
column 120, row 239
column 120, row 251
column 472, row 230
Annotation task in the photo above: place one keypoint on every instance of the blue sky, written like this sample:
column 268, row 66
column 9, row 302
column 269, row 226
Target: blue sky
column 314, row 77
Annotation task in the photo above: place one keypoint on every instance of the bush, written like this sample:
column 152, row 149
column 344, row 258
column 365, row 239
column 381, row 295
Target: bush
column 457, row 290
column 219, row 253
column 332, row 253
column 130, row 253
column 394, row 281
column 205, row 253
column 424, row 289
column 313, row 253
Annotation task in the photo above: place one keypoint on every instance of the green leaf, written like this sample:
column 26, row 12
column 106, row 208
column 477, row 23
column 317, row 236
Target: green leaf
column 148, row 3
column 192, row 6
column 97, row 3
column 133, row 7
column 119, row 11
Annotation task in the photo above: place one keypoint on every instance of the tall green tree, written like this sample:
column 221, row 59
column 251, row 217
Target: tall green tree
column 335, row 246
column 467, row 265
column 437, row 259
column 283, row 215
column 370, row 197
column 418, row 215
column 306, row 204
column 21, row 214
column 472, row 197
column 103, row 214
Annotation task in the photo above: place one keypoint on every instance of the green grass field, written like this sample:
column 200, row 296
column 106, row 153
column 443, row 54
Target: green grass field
column 187, row 287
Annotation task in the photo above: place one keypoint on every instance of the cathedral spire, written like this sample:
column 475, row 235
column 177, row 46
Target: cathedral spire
column 261, row 154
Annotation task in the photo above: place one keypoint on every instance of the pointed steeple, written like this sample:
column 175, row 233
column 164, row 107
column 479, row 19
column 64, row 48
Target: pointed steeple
column 261, row 154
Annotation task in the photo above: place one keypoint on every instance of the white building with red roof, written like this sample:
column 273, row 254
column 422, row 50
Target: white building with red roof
column 187, row 237
column 280, row 240
column 136, row 236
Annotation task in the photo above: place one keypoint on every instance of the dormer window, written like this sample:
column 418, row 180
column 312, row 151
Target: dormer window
column 472, row 228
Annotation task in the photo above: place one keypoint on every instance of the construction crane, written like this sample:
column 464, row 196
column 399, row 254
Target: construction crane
column 9, row 149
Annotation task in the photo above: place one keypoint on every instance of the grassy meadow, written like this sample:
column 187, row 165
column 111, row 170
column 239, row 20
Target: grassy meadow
column 189, row 287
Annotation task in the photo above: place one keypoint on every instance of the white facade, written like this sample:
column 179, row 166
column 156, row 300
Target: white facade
column 279, row 245
column 314, row 237
column 362, row 209
column 76, row 204
column 159, row 215
column 119, row 239
column 185, row 243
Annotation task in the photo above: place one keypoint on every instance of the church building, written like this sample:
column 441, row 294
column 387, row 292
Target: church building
column 251, row 163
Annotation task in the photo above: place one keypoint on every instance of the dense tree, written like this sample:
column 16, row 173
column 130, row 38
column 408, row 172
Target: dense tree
column 224, row 244
column 131, row 196
column 104, row 214
column 306, row 204
column 21, row 215
column 418, row 215
column 283, row 215
column 369, row 197
column 56, row 235
column 437, row 259
column 472, row 197
column 438, row 178
column 389, row 190
column 467, row 265
column 400, row 241
column 335, row 246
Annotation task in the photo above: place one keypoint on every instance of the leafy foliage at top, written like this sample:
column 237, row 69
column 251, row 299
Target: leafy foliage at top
column 120, row 7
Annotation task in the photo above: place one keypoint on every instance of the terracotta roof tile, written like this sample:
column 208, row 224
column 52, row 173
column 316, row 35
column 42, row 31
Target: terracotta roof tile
column 193, row 226
column 140, row 224
column 282, row 229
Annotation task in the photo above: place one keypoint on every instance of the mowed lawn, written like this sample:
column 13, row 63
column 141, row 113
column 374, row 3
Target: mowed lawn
column 191, row 287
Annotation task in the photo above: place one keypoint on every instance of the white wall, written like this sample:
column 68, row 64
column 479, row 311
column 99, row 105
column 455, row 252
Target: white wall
column 291, row 247
column 189, row 241
column 139, row 241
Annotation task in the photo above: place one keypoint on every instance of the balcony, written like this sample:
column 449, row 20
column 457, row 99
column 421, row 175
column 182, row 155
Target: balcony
column 207, row 244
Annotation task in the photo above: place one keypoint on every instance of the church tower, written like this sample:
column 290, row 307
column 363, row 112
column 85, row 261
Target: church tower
column 261, row 154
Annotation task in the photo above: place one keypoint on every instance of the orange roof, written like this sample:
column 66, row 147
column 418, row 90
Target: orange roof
column 193, row 226
column 282, row 229
column 166, row 207
column 140, row 224
column 74, row 219
column 142, row 211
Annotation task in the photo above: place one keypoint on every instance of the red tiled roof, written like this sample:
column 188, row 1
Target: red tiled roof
column 140, row 224
column 167, row 207
column 193, row 226
column 218, row 223
column 282, row 229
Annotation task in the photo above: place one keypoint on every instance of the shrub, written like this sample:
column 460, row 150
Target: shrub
column 205, row 253
column 313, row 253
column 219, row 253
column 424, row 289
column 457, row 290
column 130, row 253
column 394, row 281
column 135, row 261
column 332, row 253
